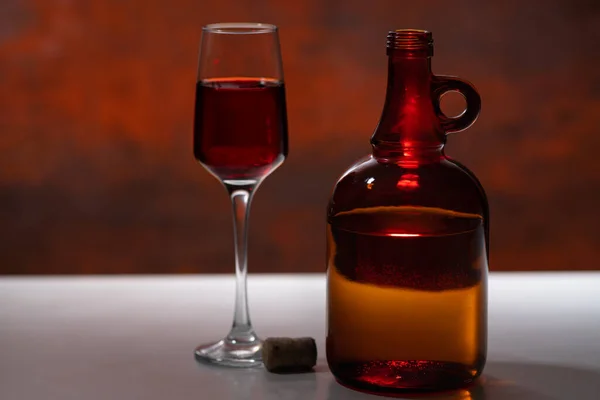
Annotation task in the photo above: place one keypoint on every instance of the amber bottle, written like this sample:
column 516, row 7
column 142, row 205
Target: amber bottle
column 407, row 242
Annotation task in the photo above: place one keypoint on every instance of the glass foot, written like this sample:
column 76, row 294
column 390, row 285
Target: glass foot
column 231, row 353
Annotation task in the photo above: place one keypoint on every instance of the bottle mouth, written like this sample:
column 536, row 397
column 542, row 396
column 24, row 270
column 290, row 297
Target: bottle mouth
column 413, row 42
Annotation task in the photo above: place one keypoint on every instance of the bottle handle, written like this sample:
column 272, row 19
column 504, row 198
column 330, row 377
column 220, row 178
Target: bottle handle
column 444, row 84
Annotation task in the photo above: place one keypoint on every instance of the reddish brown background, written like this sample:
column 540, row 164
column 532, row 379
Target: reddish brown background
column 96, row 99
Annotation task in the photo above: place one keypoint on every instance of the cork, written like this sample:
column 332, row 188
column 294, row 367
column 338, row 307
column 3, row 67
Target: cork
column 285, row 355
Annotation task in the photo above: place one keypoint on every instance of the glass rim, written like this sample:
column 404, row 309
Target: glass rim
column 239, row 28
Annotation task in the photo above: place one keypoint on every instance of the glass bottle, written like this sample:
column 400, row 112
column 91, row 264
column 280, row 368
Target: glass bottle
column 407, row 242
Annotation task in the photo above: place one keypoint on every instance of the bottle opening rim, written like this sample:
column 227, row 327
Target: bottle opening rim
column 411, row 40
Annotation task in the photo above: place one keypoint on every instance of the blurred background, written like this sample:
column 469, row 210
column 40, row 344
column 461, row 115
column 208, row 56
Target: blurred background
column 96, row 113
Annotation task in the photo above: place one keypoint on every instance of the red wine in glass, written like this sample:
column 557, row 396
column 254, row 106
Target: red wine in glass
column 240, row 136
column 241, row 127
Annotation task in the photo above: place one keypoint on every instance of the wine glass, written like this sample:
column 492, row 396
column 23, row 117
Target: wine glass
column 240, row 137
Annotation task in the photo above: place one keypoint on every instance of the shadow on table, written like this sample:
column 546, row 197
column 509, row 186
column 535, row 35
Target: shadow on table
column 507, row 381
column 257, row 383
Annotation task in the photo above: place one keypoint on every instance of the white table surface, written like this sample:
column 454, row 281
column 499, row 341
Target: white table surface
column 127, row 337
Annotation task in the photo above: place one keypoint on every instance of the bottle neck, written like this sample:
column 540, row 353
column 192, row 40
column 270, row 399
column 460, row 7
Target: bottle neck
column 408, row 126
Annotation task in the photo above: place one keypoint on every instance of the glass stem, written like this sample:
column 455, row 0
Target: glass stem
column 241, row 330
